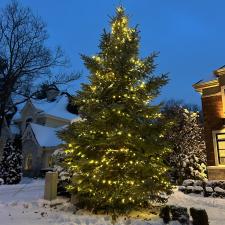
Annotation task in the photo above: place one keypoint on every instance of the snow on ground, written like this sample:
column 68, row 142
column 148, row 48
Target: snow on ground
column 28, row 190
column 215, row 207
column 23, row 204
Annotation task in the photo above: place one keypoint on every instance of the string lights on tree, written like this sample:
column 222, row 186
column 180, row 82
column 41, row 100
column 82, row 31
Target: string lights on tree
column 116, row 151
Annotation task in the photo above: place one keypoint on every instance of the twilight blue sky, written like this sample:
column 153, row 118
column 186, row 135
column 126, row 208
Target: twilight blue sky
column 189, row 34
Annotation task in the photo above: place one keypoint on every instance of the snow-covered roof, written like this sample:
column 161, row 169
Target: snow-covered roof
column 57, row 108
column 46, row 136
column 19, row 108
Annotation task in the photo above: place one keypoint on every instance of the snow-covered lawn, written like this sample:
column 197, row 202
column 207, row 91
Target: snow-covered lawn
column 22, row 204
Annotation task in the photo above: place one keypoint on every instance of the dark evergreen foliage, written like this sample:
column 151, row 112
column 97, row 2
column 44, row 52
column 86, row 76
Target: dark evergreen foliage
column 188, row 158
column 165, row 214
column 11, row 164
column 199, row 216
column 116, row 151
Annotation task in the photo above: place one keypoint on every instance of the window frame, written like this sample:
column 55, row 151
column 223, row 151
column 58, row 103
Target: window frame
column 28, row 159
column 215, row 145
column 218, row 149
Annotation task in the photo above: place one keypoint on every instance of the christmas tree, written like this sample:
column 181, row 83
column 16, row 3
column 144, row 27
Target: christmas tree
column 11, row 164
column 116, row 151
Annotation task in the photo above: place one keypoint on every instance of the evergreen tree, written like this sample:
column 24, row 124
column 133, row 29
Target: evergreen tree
column 117, row 149
column 64, row 175
column 11, row 164
column 188, row 158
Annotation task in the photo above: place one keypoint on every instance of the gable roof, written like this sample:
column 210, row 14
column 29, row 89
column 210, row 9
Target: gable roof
column 199, row 86
column 45, row 136
column 57, row 108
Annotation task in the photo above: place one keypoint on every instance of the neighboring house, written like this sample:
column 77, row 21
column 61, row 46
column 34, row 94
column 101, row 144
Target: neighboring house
column 38, row 121
column 213, row 106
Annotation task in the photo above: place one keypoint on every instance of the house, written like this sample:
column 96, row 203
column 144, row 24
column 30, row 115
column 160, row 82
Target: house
column 213, row 105
column 37, row 121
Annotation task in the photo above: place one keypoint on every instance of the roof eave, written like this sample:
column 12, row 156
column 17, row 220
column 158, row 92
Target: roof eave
column 203, row 85
column 55, row 117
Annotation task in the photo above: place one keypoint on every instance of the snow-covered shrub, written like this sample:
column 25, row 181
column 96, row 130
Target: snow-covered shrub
column 64, row 175
column 188, row 158
column 11, row 164
column 188, row 182
column 215, row 183
column 199, row 216
column 1, row 181
column 208, row 192
column 218, row 192
column 207, row 188
column 180, row 214
column 182, row 188
column 165, row 214
column 174, row 213
column 198, row 183
column 197, row 189
column 189, row 189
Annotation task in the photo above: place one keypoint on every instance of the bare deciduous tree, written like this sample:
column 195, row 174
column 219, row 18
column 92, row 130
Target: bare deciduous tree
column 24, row 55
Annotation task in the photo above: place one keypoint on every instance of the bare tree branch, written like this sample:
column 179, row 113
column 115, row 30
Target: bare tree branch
column 24, row 56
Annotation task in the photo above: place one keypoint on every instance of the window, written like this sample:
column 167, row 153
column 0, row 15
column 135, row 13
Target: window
column 220, row 140
column 28, row 162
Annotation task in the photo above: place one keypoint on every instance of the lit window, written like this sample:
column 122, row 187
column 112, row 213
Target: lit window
column 28, row 162
column 220, row 139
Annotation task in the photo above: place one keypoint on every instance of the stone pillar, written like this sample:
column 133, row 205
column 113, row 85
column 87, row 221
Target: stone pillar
column 51, row 181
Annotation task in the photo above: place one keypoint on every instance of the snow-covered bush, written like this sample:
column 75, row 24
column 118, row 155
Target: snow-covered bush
column 188, row 158
column 64, row 175
column 199, row 216
column 1, row 181
column 11, row 164
column 198, row 189
column 188, row 182
column 192, row 186
column 207, row 188
column 174, row 213
column 180, row 214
